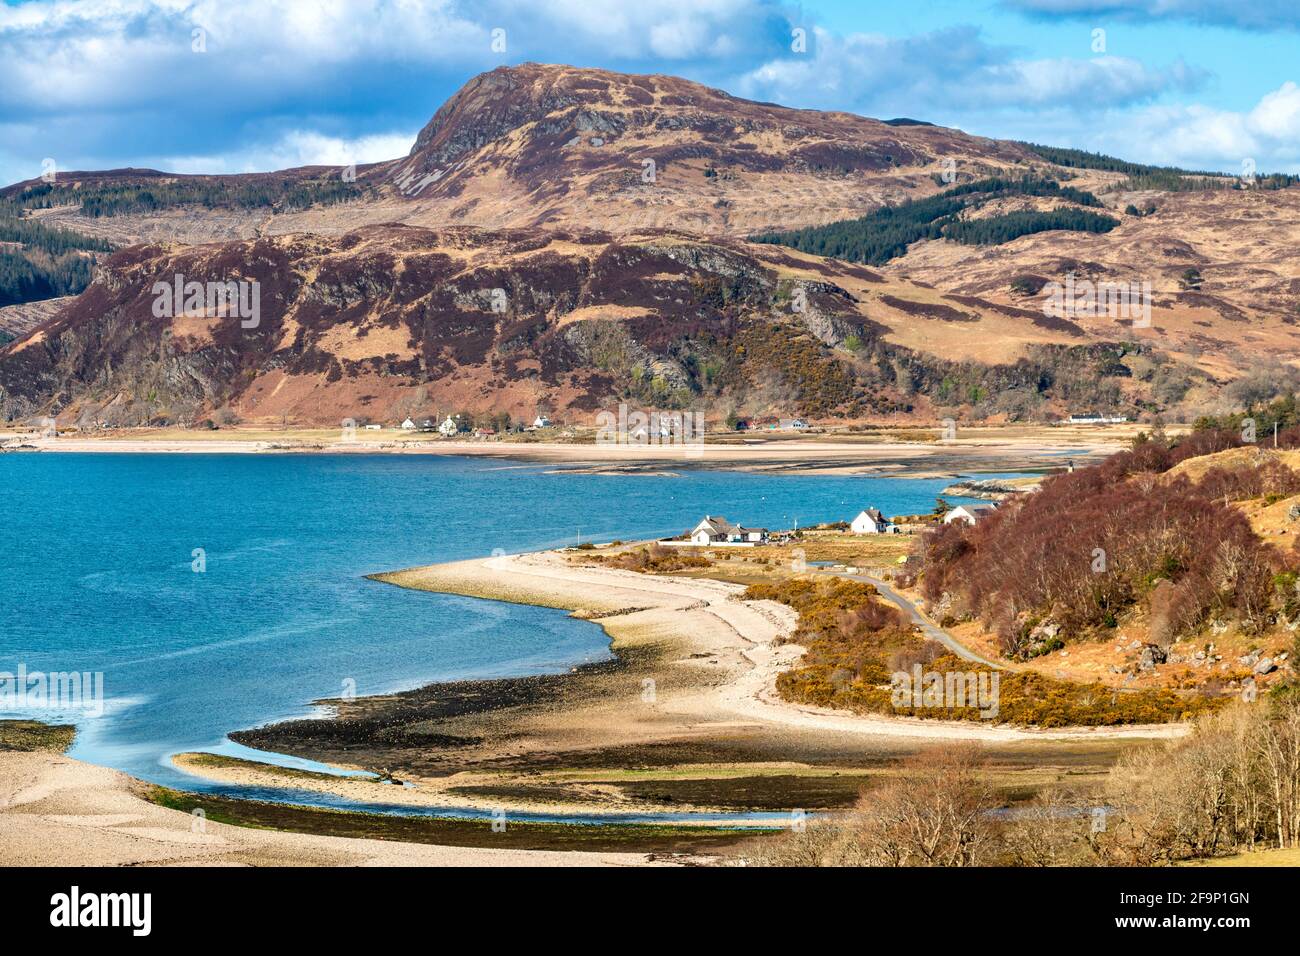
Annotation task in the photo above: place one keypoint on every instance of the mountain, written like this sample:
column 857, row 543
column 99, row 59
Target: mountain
column 377, row 290
column 537, row 145
column 540, row 145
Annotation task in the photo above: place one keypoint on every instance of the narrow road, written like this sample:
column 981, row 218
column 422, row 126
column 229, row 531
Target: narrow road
column 930, row 630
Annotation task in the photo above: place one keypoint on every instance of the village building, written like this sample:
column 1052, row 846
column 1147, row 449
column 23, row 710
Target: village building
column 871, row 521
column 718, row 530
column 1093, row 418
column 408, row 426
column 643, row 434
column 969, row 513
column 448, row 427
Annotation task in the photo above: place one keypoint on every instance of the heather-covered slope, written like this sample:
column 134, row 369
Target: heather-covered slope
column 390, row 321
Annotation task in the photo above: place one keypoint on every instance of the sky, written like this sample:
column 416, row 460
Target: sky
column 226, row 86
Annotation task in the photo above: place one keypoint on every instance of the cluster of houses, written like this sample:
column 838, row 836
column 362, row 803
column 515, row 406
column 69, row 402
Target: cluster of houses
column 449, row 427
column 772, row 425
column 717, row 531
column 1093, row 418
column 871, row 521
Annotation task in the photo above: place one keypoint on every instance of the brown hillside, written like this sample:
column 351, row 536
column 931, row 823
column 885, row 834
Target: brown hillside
column 395, row 320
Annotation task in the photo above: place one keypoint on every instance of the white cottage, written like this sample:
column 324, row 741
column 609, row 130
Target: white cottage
column 871, row 521
column 969, row 513
column 448, row 427
column 718, row 530
column 408, row 426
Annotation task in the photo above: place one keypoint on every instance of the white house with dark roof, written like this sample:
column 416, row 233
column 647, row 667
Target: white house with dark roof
column 969, row 513
column 715, row 529
column 871, row 521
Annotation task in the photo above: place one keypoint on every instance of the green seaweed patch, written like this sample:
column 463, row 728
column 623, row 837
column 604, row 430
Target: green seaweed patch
column 32, row 735
column 222, row 762
column 628, row 838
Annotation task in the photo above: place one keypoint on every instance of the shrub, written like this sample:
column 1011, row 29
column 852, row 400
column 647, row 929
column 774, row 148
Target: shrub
column 855, row 642
column 652, row 559
column 1092, row 544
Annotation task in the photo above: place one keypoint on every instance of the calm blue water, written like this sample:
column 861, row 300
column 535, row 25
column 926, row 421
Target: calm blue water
column 96, row 575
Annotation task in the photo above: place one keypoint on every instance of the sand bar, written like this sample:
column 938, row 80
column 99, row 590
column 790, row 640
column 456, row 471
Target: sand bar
column 987, row 450
column 55, row 811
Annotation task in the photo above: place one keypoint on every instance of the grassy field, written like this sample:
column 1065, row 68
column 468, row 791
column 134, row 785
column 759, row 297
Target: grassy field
column 773, row 562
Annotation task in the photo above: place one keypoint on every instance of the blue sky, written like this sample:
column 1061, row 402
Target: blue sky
column 273, row 83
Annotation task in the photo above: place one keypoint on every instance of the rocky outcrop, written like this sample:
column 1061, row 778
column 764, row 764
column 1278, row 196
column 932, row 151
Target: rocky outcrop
column 988, row 489
column 1152, row 655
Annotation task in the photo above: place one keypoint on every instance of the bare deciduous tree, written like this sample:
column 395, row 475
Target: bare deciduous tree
column 936, row 812
column 1232, row 784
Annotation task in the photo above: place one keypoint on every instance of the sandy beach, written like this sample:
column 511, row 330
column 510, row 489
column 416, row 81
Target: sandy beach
column 746, row 639
column 55, row 811
column 976, row 450
column 693, row 689
column 696, row 674
column 691, row 696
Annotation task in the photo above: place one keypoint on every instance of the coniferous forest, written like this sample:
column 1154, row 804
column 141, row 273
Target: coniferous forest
column 885, row 234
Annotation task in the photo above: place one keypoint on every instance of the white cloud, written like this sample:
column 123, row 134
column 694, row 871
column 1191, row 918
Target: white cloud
column 296, row 148
column 76, row 54
column 954, row 72
column 1278, row 113
column 102, row 83
column 80, row 54
column 1193, row 136
column 1088, row 84
column 679, row 39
